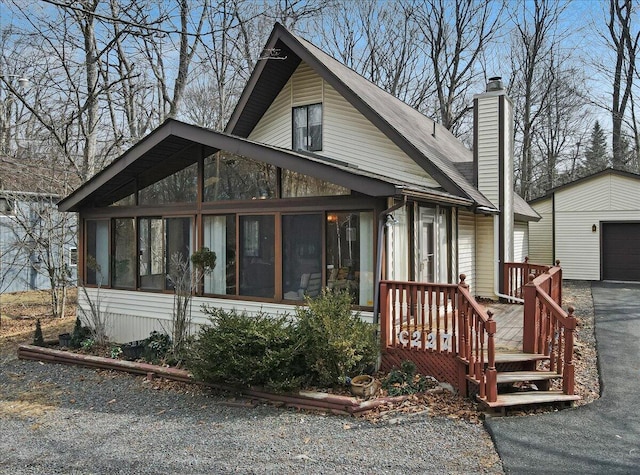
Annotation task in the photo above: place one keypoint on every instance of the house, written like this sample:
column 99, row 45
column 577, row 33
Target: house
column 36, row 242
column 592, row 225
column 319, row 179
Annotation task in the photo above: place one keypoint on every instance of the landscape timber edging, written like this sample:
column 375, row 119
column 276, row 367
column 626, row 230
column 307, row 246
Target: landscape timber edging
column 308, row 400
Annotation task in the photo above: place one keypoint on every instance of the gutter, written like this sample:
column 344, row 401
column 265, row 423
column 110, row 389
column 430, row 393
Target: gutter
column 376, row 284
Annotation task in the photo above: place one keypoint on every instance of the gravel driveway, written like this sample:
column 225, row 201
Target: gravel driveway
column 63, row 419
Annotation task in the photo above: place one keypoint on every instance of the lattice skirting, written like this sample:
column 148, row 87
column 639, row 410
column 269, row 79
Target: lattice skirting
column 445, row 367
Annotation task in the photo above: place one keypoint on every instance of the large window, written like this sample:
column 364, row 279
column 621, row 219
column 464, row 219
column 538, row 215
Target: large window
column 257, row 256
column 97, row 254
column 152, row 255
column 178, row 246
column 301, row 256
column 350, row 254
column 298, row 185
column 124, row 253
column 177, row 188
column 220, row 237
column 232, row 177
column 164, row 249
column 307, row 128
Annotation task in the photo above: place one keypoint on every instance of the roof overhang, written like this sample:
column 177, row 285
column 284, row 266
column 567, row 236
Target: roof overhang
column 175, row 145
column 270, row 75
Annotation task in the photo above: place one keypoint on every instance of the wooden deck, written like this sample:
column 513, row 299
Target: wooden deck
column 509, row 325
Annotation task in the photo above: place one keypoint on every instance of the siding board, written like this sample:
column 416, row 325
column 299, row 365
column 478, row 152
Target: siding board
column 541, row 234
column 133, row 315
column 520, row 241
column 485, row 261
column 467, row 247
column 347, row 134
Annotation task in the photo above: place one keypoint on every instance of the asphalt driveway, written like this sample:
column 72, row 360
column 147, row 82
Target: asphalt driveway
column 603, row 437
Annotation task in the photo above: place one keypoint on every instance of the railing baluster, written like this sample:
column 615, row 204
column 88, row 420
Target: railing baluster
column 438, row 317
column 395, row 326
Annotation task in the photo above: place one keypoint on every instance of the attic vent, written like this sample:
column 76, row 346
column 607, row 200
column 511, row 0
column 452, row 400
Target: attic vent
column 495, row 84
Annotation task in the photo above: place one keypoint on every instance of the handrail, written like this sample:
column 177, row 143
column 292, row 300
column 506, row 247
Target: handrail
column 476, row 327
column 441, row 318
column 548, row 329
column 516, row 275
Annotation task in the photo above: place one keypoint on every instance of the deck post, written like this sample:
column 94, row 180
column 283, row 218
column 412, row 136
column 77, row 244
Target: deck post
column 384, row 315
column 568, row 371
column 462, row 317
column 530, row 309
column 491, row 376
column 559, row 286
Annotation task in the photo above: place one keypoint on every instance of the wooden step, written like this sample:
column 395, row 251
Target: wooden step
column 518, row 376
column 519, row 357
column 529, row 397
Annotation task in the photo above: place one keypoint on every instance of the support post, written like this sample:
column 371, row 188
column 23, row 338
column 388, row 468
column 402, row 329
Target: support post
column 384, row 316
column 530, row 309
column 462, row 319
column 491, row 376
column 568, row 371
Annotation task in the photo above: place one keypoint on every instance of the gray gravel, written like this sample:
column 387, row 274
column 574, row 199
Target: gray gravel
column 63, row 419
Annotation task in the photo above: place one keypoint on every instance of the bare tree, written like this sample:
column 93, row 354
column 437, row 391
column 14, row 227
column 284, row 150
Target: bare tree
column 561, row 125
column 534, row 40
column 456, row 34
column 39, row 241
column 625, row 44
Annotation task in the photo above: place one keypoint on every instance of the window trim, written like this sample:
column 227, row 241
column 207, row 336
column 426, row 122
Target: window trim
column 306, row 147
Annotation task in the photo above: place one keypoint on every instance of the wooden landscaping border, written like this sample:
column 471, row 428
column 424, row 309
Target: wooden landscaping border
column 307, row 400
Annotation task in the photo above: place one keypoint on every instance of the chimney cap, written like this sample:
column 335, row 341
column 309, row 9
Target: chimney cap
column 495, row 84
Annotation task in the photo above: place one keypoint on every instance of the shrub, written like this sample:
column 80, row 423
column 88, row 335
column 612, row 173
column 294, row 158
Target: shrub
column 156, row 347
column 336, row 343
column 245, row 351
column 38, row 338
column 406, row 381
column 79, row 334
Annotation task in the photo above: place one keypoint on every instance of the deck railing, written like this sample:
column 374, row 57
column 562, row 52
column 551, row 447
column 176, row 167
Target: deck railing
column 445, row 320
column 516, row 276
column 441, row 318
column 548, row 329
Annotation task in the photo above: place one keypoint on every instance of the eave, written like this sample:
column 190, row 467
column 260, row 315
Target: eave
column 175, row 145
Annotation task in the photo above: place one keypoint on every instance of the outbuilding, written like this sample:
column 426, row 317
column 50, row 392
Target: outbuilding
column 592, row 225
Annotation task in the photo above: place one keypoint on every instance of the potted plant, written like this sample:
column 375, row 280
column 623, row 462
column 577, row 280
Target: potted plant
column 64, row 340
column 132, row 350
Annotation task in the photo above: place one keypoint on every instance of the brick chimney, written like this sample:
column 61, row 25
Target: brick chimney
column 493, row 169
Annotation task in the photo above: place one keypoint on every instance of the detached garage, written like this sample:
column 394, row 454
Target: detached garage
column 592, row 226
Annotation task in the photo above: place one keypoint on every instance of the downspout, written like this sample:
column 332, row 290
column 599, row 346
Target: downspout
column 382, row 219
column 498, row 259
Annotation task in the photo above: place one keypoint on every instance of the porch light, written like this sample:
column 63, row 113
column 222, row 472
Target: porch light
column 332, row 218
column 594, row 228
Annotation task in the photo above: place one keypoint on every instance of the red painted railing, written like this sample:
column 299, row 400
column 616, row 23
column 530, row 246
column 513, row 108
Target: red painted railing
column 548, row 329
column 440, row 318
column 445, row 319
column 516, row 276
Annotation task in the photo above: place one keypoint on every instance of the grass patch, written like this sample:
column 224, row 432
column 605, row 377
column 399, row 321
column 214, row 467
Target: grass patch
column 20, row 310
column 39, row 399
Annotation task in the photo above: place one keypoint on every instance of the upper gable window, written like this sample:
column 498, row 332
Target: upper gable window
column 307, row 127
column 228, row 176
column 177, row 188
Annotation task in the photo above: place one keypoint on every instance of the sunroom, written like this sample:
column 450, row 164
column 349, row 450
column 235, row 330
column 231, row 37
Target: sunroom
column 283, row 225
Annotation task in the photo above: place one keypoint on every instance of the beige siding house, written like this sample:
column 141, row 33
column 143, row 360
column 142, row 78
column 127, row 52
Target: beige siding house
column 320, row 179
column 592, row 226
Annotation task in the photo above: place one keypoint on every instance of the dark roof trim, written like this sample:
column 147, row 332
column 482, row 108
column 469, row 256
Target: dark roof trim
column 606, row 171
column 281, row 33
column 176, row 131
